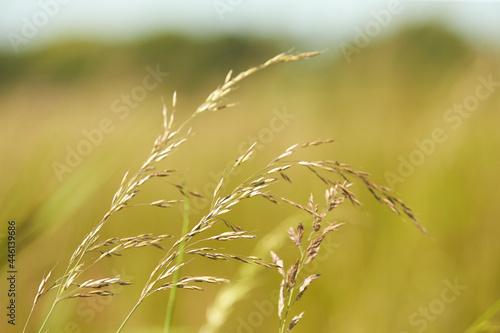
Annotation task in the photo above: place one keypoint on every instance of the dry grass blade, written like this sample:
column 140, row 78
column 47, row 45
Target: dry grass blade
column 316, row 143
column 41, row 288
column 170, row 271
column 331, row 227
column 183, row 283
column 165, row 275
column 214, row 100
column 289, row 151
column 245, row 157
column 307, row 281
column 165, row 203
column 218, row 187
column 128, row 243
column 203, row 279
column 278, row 263
column 280, row 168
column 313, row 248
column 90, row 294
column 295, row 321
column 281, row 300
column 296, row 236
column 231, row 235
column 291, row 275
column 289, row 292
column 105, row 282
column 204, row 252
column 302, row 207
column 285, row 177
column 342, row 169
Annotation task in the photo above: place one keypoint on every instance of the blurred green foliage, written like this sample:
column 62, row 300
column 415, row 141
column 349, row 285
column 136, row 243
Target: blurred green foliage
column 191, row 61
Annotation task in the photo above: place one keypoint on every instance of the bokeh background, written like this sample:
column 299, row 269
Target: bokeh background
column 409, row 91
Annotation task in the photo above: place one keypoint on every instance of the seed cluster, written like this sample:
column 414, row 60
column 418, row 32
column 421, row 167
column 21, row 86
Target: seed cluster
column 165, row 275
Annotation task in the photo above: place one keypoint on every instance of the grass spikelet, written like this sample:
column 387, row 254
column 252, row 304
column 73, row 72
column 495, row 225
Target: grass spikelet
column 197, row 237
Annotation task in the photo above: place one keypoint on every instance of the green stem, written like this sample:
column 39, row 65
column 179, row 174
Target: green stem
column 484, row 320
column 180, row 258
column 290, row 296
column 47, row 317
column 60, row 290
column 128, row 316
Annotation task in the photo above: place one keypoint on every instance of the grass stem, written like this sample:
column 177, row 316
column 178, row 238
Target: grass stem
column 180, row 258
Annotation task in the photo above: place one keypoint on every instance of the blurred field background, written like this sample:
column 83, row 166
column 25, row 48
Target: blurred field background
column 377, row 271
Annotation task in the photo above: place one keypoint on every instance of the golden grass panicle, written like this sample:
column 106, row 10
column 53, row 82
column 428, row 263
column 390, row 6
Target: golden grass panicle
column 166, row 273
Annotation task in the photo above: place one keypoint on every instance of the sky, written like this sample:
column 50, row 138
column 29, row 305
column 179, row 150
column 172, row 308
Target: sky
column 33, row 23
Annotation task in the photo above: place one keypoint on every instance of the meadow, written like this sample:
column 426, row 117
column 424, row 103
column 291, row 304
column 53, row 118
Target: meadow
column 417, row 110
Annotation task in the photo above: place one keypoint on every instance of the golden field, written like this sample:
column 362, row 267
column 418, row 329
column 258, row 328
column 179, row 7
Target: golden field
column 418, row 111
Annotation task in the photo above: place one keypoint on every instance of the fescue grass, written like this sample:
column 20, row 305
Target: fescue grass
column 194, row 240
column 374, row 107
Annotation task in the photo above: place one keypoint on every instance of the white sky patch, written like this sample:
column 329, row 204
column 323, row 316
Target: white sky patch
column 315, row 21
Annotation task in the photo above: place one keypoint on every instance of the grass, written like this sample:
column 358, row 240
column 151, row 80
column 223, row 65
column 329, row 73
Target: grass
column 373, row 263
column 194, row 240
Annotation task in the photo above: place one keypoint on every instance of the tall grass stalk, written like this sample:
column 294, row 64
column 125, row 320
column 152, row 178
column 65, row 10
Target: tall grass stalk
column 484, row 323
column 180, row 259
column 194, row 240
